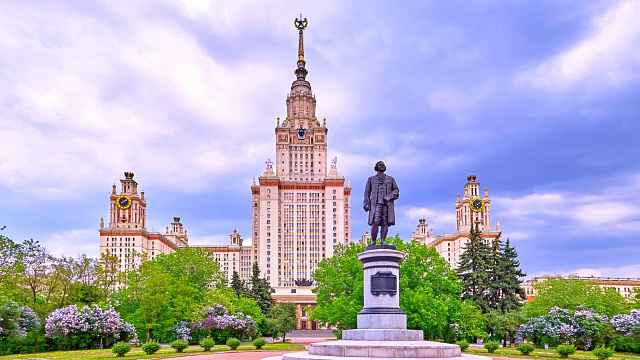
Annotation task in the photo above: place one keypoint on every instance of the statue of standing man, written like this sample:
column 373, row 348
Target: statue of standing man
column 379, row 194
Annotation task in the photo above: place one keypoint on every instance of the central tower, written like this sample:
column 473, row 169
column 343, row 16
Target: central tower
column 300, row 211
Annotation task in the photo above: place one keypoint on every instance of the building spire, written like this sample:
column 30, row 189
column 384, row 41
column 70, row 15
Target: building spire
column 301, row 24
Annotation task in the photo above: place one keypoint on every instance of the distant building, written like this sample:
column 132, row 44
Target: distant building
column 302, row 297
column 627, row 287
column 128, row 238
column 472, row 209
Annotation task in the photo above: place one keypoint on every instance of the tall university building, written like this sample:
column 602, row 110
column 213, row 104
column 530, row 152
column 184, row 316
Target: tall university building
column 300, row 207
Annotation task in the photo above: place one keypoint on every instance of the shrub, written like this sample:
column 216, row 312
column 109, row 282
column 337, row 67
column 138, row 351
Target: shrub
column 207, row 344
column 179, row 345
column 151, row 347
column 233, row 343
column 525, row 349
column 463, row 345
column 259, row 343
column 491, row 346
column 121, row 348
column 565, row 350
column 602, row 353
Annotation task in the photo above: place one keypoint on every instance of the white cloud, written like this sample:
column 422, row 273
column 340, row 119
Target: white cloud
column 217, row 239
column 438, row 220
column 630, row 271
column 90, row 99
column 609, row 56
column 73, row 243
column 606, row 212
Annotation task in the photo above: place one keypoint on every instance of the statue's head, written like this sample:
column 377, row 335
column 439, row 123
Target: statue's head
column 380, row 166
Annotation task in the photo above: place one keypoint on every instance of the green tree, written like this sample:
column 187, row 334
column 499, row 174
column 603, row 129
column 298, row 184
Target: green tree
column 10, row 268
column 261, row 290
column 35, row 260
column 249, row 307
column 198, row 268
column 495, row 272
column 472, row 324
column 473, row 269
column 9, row 265
column 503, row 327
column 108, row 274
column 238, row 285
column 147, row 296
column 283, row 319
column 429, row 290
column 511, row 293
column 339, row 287
column 570, row 294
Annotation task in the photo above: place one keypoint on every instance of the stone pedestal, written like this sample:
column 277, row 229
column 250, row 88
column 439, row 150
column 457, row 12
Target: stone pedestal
column 381, row 289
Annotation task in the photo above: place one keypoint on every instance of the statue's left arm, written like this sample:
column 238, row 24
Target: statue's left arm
column 394, row 190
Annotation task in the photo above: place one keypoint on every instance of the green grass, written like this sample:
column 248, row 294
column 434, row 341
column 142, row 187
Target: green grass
column 546, row 354
column 137, row 353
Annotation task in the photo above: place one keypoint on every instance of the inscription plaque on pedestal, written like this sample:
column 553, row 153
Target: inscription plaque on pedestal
column 383, row 282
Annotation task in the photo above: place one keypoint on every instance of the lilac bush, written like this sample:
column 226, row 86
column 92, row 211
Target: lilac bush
column 127, row 332
column 218, row 322
column 183, row 331
column 81, row 328
column 629, row 325
column 16, row 321
column 583, row 327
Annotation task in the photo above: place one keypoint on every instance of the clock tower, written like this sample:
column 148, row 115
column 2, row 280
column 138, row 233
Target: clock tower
column 473, row 208
column 128, row 208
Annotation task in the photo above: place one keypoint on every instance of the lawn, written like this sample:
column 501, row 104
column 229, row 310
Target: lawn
column 547, row 354
column 137, row 353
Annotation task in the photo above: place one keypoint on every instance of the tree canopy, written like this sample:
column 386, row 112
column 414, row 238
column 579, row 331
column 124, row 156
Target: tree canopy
column 570, row 294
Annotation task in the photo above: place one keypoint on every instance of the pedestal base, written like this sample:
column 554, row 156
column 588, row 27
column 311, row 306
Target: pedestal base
column 374, row 350
column 307, row 356
column 382, row 335
column 382, row 321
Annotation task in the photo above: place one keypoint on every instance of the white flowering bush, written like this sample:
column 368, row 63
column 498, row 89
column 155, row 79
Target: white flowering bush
column 74, row 328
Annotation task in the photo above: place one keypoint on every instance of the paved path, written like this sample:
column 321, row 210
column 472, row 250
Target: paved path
column 247, row 355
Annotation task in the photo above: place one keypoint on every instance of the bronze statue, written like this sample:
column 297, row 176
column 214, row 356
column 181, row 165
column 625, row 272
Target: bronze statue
column 379, row 194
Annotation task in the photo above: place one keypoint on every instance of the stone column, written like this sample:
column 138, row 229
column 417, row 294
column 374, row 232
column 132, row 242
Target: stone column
column 381, row 289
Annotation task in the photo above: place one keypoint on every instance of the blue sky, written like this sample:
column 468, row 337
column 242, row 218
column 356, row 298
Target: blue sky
column 539, row 99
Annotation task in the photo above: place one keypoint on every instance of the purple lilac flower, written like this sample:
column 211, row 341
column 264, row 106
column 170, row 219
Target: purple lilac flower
column 628, row 324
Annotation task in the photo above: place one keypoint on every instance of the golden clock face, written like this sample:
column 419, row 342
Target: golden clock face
column 477, row 204
column 123, row 202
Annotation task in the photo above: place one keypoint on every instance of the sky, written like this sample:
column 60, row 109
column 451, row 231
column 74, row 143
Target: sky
column 538, row 99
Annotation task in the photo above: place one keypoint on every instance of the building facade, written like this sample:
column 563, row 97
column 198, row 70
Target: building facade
column 300, row 211
column 473, row 208
column 127, row 237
